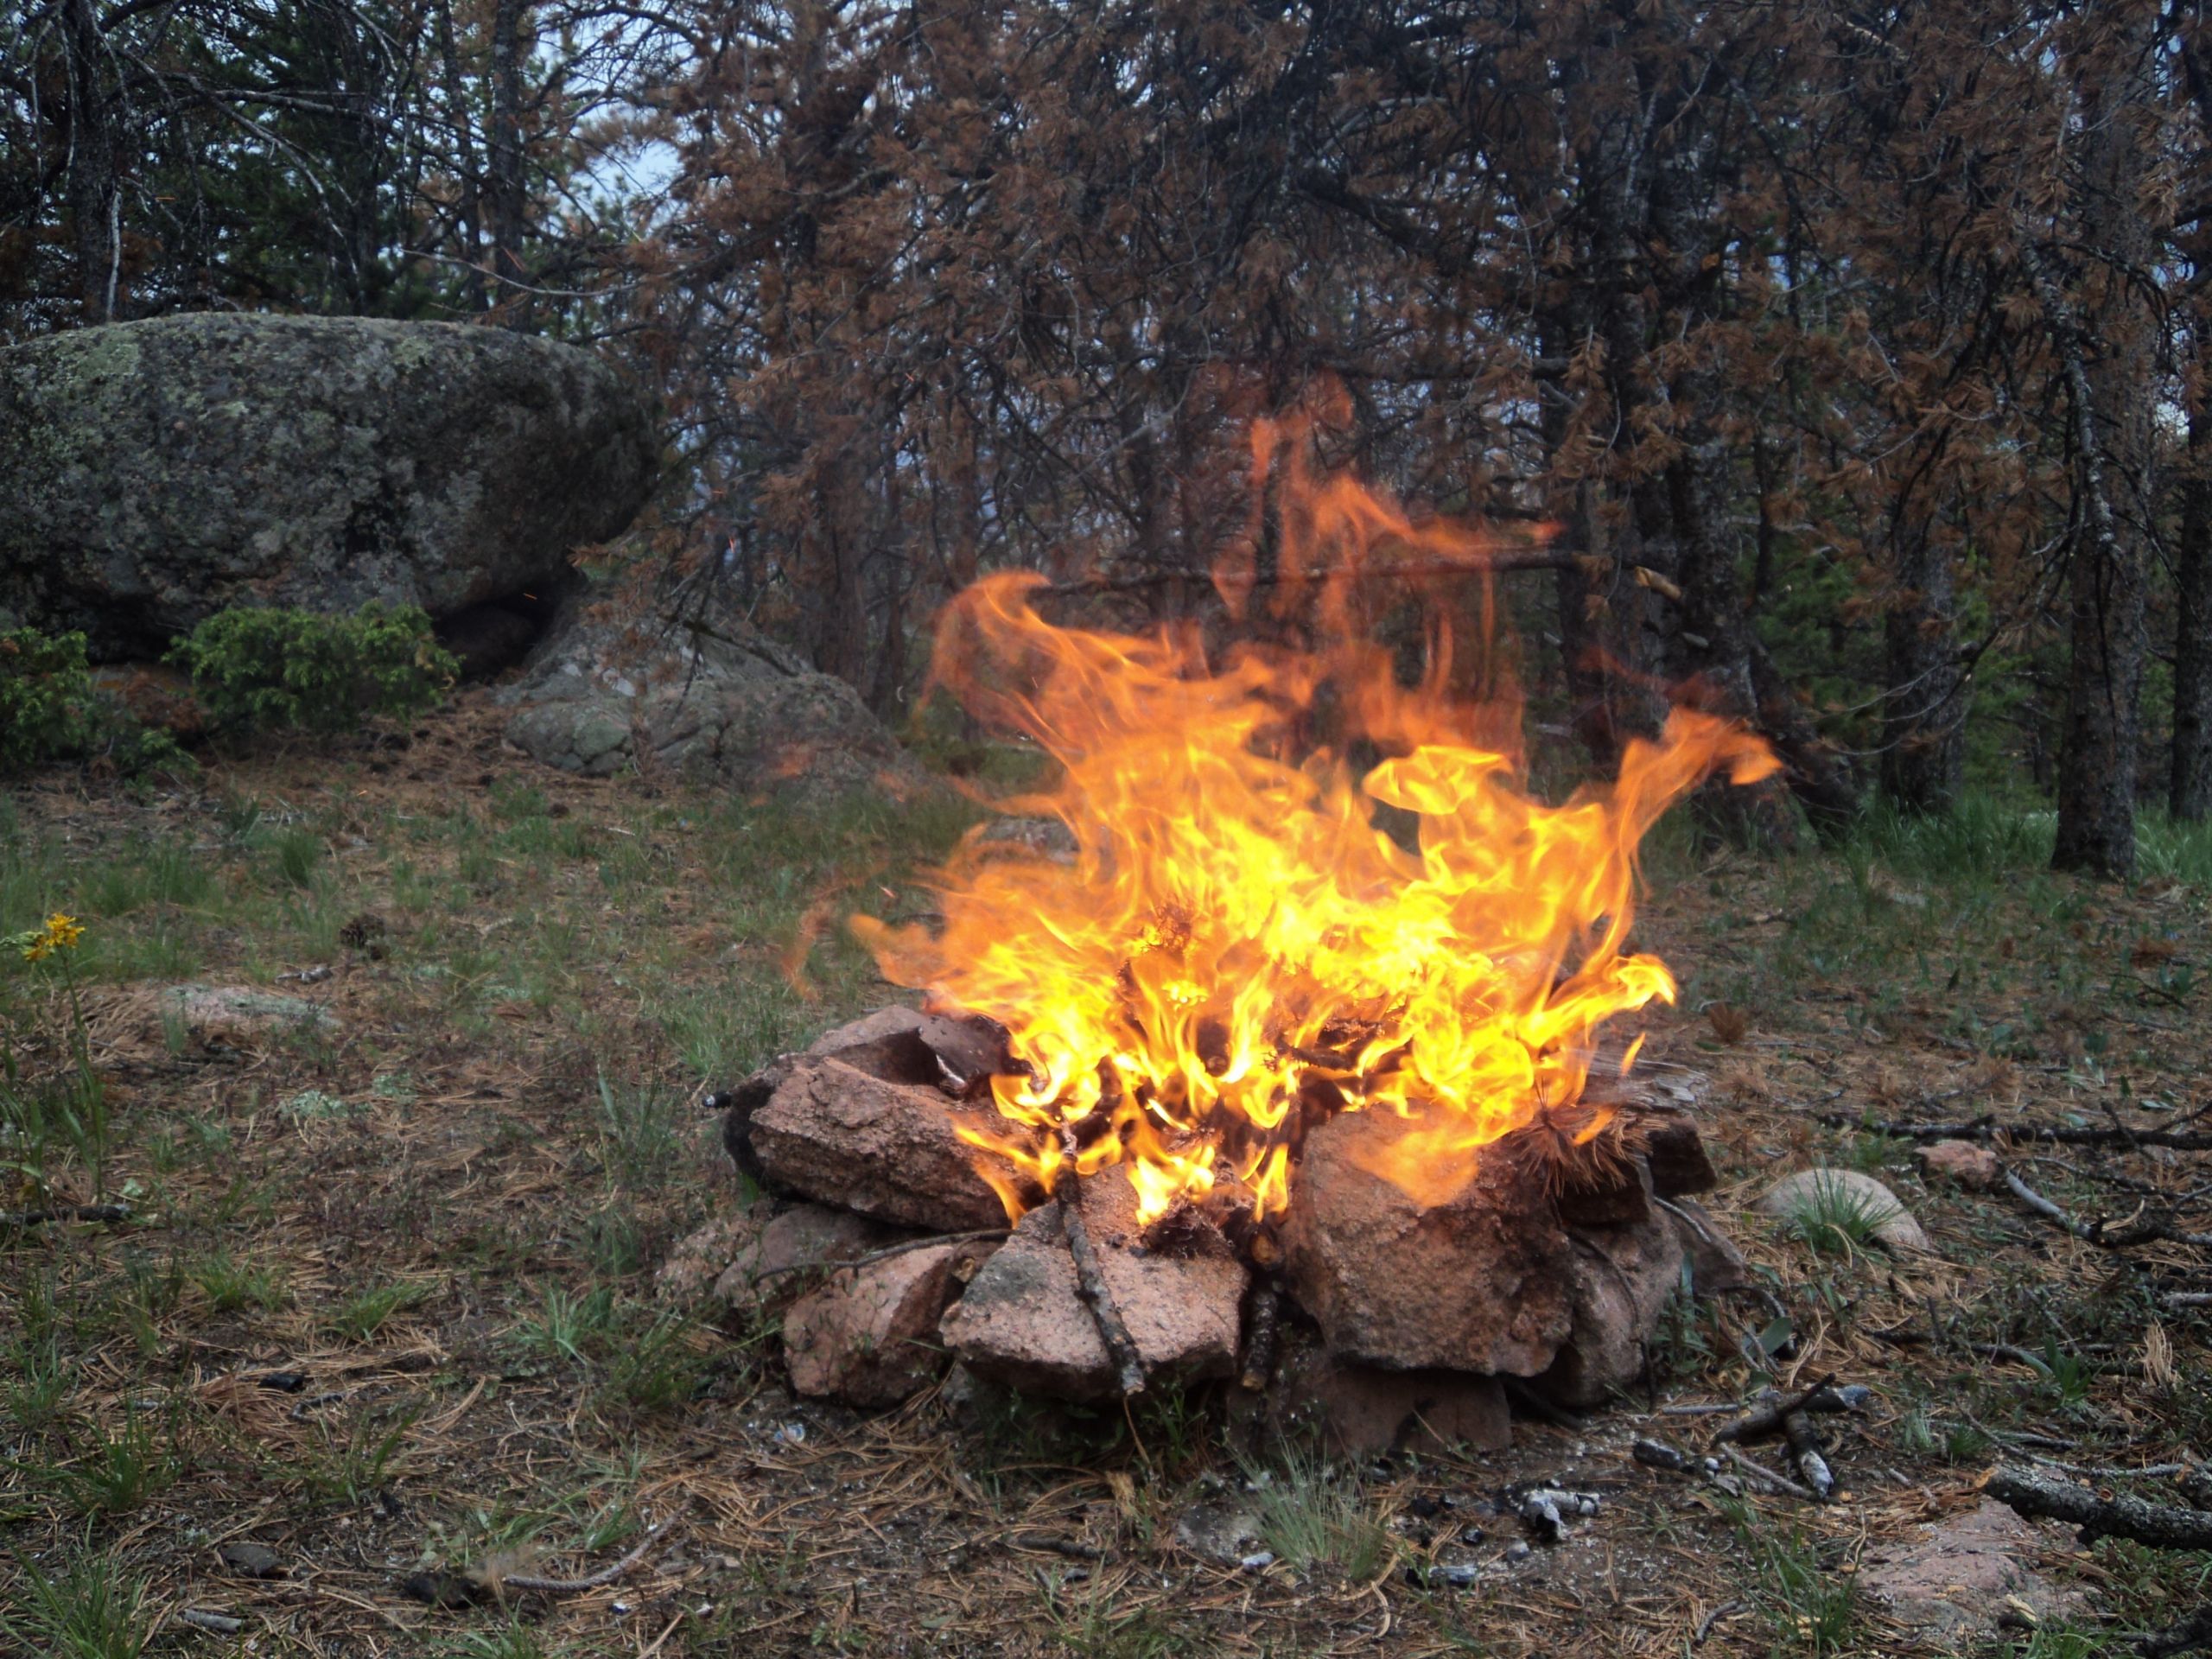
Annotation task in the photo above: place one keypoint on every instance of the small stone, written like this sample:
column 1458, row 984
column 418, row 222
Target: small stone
column 1964, row 1162
column 1481, row 1283
column 868, row 1336
column 1222, row 1532
column 1811, row 1194
column 888, row 1150
column 252, row 1560
column 1518, row 1550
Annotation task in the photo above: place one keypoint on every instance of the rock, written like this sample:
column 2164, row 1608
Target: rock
column 208, row 1011
column 703, row 1256
column 887, row 1150
column 868, row 1337
column 1673, row 1149
column 1023, row 1323
column 157, row 472
column 1220, row 1531
column 1364, row 1412
column 1970, row 1165
column 1621, row 1278
column 1481, row 1283
column 620, row 685
column 795, row 1248
column 1716, row 1265
column 1606, row 1191
column 1952, row 1579
column 1811, row 1195
column 252, row 1560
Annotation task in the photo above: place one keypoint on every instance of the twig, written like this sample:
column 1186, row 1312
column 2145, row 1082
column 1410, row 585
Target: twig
column 2095, row 1232
column 1492, row 564
column 1766, row 1416
column 1760, row 1472
column 1091, row 1283
column 23, row 1220
column 1984, row 1128
column 220, row 1624
column 2162, row 1526
column 591, row 1581
column 1705, row 1625
column 1805, row 1453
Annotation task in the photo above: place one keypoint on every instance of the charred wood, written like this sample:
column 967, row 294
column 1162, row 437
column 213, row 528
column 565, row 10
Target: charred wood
column 1091, row 1283
column 2161, row 1526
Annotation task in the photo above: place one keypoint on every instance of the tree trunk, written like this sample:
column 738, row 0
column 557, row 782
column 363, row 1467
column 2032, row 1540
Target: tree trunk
column 92, row 187
column 505, row 195
column 2190, row 797
column 1924, row 720
column 2110, row 390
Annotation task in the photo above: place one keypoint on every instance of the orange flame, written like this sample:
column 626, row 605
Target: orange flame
column 1236, row 944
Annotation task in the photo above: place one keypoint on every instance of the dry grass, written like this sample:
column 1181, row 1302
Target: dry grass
column 439, row 1212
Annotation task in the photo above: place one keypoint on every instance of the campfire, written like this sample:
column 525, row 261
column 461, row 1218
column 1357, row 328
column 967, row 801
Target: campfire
column 1296, row 1047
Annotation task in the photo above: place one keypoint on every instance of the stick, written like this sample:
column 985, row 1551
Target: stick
column 12, row 1221
column 1090, row 1283
column 1494, row 564
column 1766, row 1416
column 592, row 1581
column 2192, row 1633
column 1260, row 1338
column 220, row 1624
column 1805, row 1453
column 899, row 1248
column 1760, row 1472
column 1983, row 1128
column 2031, row 1493
column 2094, row 1232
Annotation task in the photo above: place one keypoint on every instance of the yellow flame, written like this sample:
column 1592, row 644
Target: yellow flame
column 1236, row 945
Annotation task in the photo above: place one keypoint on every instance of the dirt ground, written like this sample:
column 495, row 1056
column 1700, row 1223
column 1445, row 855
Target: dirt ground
column 383, row 1305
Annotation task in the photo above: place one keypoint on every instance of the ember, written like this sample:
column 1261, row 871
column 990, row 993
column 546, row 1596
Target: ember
column 1237, row 950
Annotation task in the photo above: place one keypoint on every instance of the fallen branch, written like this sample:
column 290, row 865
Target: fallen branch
column 1806, row 1452
column 1770, row 1412
column 927, row 1242
column 577, row 1586
column 1089, row 1282
column 2096, row 1232
column 1766, row 1477
column 16, row 1221
column 2031, row 1493
column 2192, row 1633
column 1984, row 1129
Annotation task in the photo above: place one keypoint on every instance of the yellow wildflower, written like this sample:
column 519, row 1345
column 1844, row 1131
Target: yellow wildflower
column 60, row 933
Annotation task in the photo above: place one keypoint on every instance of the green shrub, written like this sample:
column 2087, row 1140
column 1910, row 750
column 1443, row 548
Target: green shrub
column 278, row 668
column 46, row 698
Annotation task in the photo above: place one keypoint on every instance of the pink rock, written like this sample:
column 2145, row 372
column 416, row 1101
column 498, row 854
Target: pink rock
column 1970, row 1165
column 1363, row 1411
column 1620, row 1282
column 1023, row 1323
column 699, row 1260
column 1481, row 1283
column 887, row 1150
column 791, row 1252
column 1716, row 1264
column 868, row 1336
column 1952, row 1578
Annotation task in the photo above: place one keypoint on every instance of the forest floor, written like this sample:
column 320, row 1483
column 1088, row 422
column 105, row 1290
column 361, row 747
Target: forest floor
column 438, row 1207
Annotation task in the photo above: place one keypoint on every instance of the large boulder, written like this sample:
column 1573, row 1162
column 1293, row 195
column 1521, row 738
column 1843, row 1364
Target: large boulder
column 618, row 684
column 156, row 473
